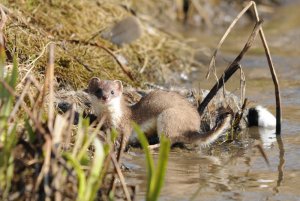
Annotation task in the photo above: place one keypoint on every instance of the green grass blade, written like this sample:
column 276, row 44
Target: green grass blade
column 2, row 61
column 80, row 137
column 85, row 146
column 9, row 175
column 30, row 131
column 93, row 183
column 80, row 175
column 161, row 167
column 113, row 135
column 6, row 161
column 11, row 79
column 149, row 160
column 14, row 74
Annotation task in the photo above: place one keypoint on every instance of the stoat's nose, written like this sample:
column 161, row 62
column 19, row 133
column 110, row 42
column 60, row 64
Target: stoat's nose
column 104, row 97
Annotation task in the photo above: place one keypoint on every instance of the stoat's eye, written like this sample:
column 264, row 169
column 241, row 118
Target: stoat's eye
column 112, row 92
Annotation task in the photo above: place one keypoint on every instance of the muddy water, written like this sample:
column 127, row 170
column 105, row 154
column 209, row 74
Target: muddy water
column 237, row 171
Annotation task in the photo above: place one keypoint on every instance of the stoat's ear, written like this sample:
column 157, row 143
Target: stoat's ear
column 119, row 85
column 93, row 84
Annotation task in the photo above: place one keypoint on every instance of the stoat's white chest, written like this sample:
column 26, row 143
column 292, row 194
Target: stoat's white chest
column 113, row 109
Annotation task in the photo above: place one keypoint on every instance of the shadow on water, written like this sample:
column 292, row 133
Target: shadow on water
column 237, row 170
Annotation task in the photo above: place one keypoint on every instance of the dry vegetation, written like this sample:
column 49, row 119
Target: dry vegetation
column 42, row 155
column 33, row 25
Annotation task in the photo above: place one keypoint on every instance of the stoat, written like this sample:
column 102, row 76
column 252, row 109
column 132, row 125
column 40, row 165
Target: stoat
column 157, row 112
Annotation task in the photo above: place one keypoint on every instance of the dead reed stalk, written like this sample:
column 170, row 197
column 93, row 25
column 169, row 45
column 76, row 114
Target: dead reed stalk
column 269, row 59
column 232, row 68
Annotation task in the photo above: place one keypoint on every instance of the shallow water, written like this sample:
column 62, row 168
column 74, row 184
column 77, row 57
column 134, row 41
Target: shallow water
column 237, row 171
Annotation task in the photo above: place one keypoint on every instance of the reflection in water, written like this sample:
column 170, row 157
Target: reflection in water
column 228, row 171
column 189, row 175
column 281, row 163
column 266, row 136
column 215, row 166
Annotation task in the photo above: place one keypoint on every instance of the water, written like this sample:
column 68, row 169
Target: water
column 237, row 171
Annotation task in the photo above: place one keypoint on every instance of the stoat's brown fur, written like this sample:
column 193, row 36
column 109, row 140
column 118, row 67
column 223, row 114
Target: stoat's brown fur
column 157, row 112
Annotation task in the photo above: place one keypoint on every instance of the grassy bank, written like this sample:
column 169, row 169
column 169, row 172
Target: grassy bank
column 42, row 155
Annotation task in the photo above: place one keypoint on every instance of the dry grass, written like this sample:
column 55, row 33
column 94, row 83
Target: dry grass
column 33, row 25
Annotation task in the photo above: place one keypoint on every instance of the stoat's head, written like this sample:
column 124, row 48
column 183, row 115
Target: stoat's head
column 107, row 92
